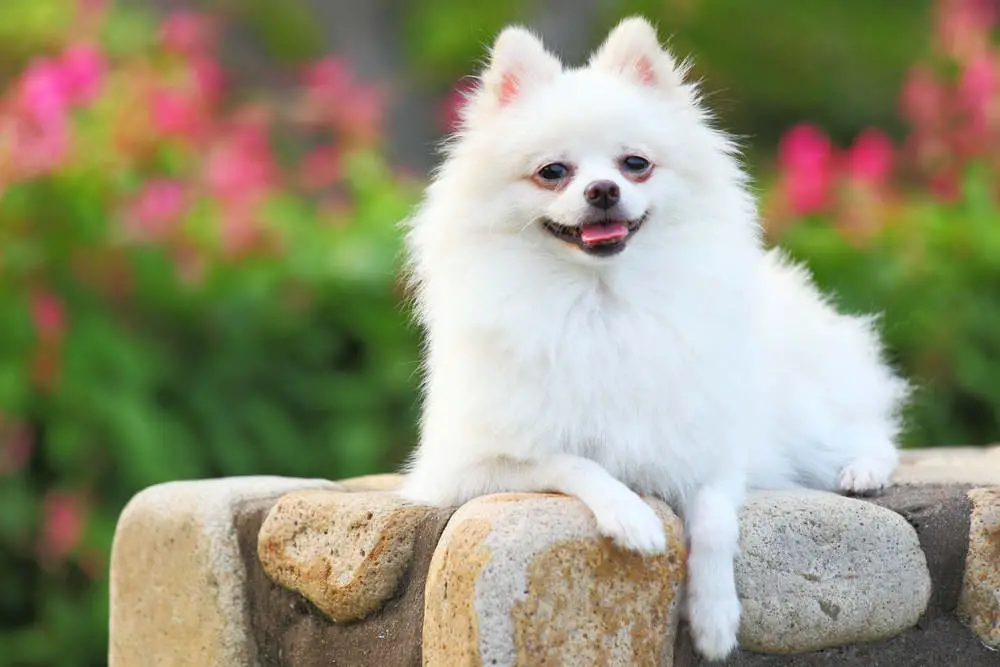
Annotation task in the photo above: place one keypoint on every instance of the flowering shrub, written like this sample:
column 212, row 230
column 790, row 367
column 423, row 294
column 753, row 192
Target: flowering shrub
column 913, row 229
column 194, row 281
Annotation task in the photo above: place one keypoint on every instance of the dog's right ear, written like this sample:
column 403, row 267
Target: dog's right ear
column 518, row 61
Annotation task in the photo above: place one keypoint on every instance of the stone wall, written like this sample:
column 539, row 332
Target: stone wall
column 272, row 571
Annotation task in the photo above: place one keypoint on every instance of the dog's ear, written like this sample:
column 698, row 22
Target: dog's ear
column 518, row 61
column 633, row 50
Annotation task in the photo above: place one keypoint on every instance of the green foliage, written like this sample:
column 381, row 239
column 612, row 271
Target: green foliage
column 934, row 273
column 177, row 303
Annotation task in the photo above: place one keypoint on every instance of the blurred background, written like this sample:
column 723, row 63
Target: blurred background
column 199, row 260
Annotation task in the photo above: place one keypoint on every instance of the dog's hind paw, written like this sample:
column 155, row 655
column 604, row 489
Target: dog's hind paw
column 863, row 477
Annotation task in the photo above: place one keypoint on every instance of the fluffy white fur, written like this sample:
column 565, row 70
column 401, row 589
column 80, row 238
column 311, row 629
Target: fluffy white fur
column 691, row 366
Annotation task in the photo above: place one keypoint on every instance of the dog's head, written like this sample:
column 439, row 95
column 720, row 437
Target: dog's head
column 586, row 160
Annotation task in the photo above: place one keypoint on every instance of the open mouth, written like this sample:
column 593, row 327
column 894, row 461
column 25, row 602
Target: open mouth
column 601, row 239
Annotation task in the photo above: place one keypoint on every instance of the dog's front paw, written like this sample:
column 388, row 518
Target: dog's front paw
column 632, row 525
column 715, row 623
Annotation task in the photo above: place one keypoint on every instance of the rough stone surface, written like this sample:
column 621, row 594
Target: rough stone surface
column 525, row 579
column 979, row 466
column 177, row 582
column 940, row 515
column 291, row 632
column 345, row 552
column 384, row 482
column 820, row 570
column 979, row 603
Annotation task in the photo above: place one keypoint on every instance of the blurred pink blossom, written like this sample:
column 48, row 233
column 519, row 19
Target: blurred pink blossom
column 47, row 314
column 208, row 77
column 329, row 77
column 334, row 99
column 450, row 111
column 187, row 33
column 977, row 90
column 178, row 115
column 320, row 168
column 157, row 207
column 91, row 7
column 962, row 27
column 36, row 147
column 42, row 93
column 16, row 446
column 805, row 157
column 83, row 69
column 241, row 166
column 923, row 100
column 945, row 185
column 870, row 157
column 239, row 230
column 360, row 114
column 64, row 517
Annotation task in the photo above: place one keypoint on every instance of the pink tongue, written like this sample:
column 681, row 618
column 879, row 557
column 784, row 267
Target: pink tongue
column 603, row 232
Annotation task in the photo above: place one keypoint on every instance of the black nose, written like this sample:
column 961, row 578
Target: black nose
column 602, row 194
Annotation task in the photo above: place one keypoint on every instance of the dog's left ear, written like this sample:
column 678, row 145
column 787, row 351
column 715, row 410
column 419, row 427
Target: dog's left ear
column 633, row 50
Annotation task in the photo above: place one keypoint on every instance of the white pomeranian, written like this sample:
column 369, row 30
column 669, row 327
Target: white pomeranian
column 603, row 320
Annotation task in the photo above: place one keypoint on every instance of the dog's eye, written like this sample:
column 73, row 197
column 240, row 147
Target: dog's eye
column 635, row 164
column 553, row 173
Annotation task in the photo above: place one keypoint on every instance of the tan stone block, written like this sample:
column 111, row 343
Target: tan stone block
column 177, row 579
column 345, row 552
column 979, row 602
column 383, row 482
column 525, row 579
column 949, row 465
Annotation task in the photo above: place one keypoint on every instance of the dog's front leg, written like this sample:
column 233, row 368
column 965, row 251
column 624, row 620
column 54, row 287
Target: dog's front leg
column 620, row 513
column 712, row 523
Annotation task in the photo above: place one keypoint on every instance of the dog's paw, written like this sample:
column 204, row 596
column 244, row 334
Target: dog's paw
column 863, row 477
column 714, row 622
column 632, row 525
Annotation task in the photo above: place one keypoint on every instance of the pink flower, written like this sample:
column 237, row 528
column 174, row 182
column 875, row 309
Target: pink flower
column 187, row 32
column 328, row 77
column 945, row 185
column 360, row 114
column 239, row 231
column 450, row 111
column 83, row 70
column 804, row 147
column 241, row 166
column 870, row 158
column 321, row 168
column 178, row 115
column 923, row 100
column 159, row 204
column 92, row 7
column 208, row 77
column 963, row 27
column 806, row 159
column 334, row 99
column 47, row 314
column 42, row 93
column 16, row 446
column 63, row 523
column 37, row 147
column 977, row 87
